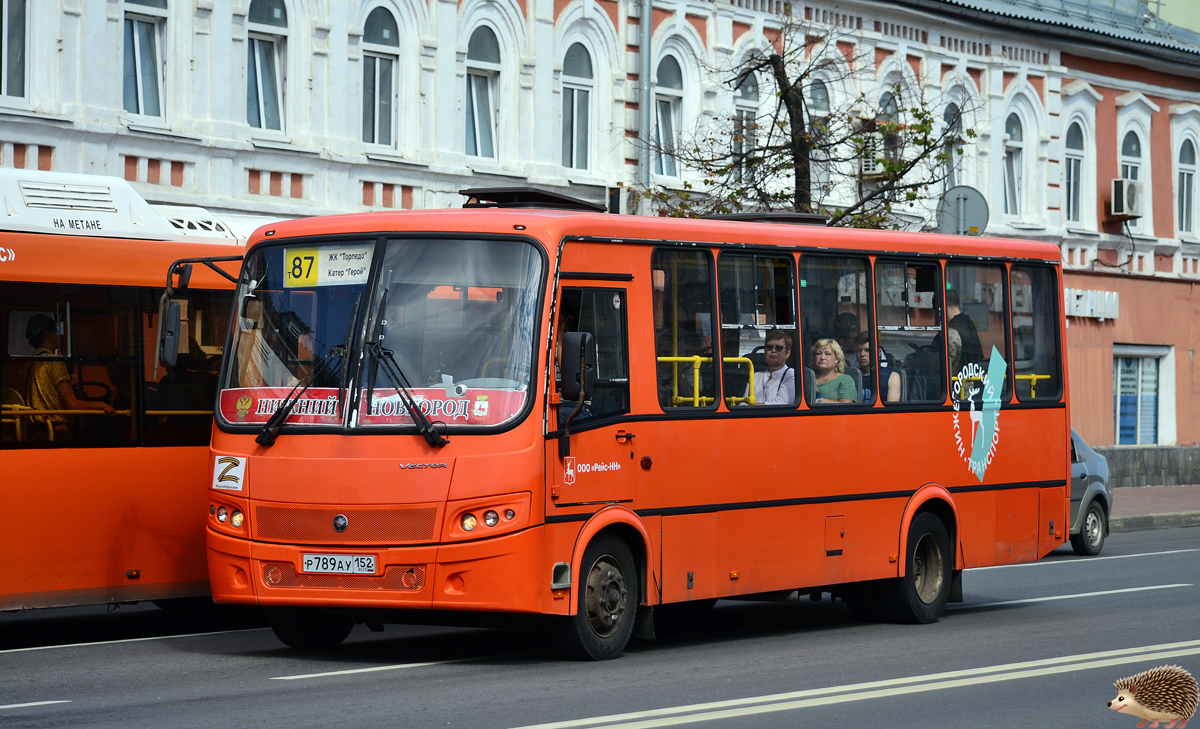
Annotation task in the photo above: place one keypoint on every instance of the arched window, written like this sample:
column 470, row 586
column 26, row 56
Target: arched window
column 1186, row 204
column 145, row 27
column 268, row 27
column 1074, row 170
column 12, row 60
column 745, row 122
column 576, row 114
column 1131, row 156
column 381, row 42
column 1014, row 172
column 818, row 99
column 952, row 118
column 668, row 101
column 483, row 76
column 889, row 114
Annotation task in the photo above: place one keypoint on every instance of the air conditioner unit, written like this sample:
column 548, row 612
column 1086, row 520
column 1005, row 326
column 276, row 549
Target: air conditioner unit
column 1126, row 198
column 872, row 157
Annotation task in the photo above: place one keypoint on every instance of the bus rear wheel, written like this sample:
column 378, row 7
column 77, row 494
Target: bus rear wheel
column 309, row 630
column 919, row 595
column 607, row 600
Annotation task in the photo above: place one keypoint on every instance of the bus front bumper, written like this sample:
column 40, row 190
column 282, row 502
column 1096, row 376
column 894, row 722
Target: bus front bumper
column 503, row 574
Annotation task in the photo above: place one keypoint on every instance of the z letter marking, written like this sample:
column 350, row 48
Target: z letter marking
column 232, row 463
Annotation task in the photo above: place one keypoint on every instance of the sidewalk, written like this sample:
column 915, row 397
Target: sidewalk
column 1154, row 507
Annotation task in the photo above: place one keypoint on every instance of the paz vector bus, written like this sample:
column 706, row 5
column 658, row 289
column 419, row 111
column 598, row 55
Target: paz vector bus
column 528, row 407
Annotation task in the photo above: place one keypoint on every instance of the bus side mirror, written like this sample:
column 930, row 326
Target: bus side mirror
column 185, row 276
column 168, row 345
column 579, row 352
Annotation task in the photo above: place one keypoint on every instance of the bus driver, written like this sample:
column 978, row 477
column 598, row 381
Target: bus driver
column 777, row 385
column 49, row 384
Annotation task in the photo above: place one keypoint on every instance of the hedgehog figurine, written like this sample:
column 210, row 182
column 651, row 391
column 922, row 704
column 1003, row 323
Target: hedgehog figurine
column 1166, row 693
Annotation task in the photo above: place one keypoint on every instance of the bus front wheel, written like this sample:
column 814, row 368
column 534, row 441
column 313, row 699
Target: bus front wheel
column 309, row 630
column 607, row 599
column 919, row 595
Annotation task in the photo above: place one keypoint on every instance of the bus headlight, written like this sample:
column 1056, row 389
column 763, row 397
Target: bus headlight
column 222, row 514
column 469, row 522
column 509, row 514
column 491, row 518
column 236, row 519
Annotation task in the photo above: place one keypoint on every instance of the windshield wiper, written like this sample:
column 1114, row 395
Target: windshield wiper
column 424, row 426
column 344, row 370
column 270, row 429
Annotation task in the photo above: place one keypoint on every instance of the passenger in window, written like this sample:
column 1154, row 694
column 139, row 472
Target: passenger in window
column 776, row 385
column 846, row 329
column 963, row 338
column 889, row 379
column 829, row 366
column 49, row 383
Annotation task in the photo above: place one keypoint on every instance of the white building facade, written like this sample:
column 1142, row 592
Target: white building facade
column 301, row 107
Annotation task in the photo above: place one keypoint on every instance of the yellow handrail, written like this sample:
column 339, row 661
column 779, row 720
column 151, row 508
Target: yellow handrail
column 483, row 372
column 696, row 399
column 1032, row 379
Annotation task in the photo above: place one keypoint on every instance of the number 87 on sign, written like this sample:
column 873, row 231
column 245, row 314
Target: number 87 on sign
column 300, row 267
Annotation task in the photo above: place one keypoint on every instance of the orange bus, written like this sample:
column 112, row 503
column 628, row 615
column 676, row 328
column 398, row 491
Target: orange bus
column 531, row 407
column 103, row 451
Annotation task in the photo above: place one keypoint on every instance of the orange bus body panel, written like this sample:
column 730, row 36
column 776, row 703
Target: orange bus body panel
column 85, row 519
column 715, row 506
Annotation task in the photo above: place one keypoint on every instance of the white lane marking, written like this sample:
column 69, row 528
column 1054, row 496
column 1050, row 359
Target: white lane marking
column 360, row 670
column 32, row 703
column 1027, row 600
column 1080, row 560
column 127, row 640
column 876, row 689
column 395, row 667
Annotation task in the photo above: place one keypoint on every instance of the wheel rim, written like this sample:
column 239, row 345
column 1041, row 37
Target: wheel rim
column 1093, row 528
column 606, row 596
column 928, row 573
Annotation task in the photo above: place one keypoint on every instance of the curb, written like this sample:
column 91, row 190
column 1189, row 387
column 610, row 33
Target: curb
column 1153, row 521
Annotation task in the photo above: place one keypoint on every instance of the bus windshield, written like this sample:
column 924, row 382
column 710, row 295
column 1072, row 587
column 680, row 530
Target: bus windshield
column 455, row 319
column 449, row 320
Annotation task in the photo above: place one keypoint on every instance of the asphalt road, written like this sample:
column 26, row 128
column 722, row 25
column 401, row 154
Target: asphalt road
column 1032, row 645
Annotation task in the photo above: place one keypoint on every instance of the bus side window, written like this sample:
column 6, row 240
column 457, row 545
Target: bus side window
column 834, row 310
column 601, row 312
column 974, row 325
column 757, row 300
column 1035, row 334
column 909, row 323
column 179, row 401
column 683, row 327
column 84, row 341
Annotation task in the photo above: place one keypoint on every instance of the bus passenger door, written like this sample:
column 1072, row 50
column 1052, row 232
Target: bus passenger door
column 598, row 469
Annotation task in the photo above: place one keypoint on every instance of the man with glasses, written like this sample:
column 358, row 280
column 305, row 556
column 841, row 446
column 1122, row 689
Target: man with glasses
column 776, row 385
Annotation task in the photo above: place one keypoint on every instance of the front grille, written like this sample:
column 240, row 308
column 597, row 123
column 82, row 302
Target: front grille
column 384, row 525
column 403, row 579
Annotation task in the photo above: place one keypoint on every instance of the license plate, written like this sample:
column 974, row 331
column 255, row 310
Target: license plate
column 346, row 564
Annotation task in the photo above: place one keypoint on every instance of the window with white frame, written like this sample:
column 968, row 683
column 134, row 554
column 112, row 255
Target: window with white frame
column 483, row 76
column 1073, row 163
column 576, row 110
column 381, row 41
column 818, row 121
column 1186, row 188
column 668, row 101
column 745, row 123
column 1131, row 164
column 952, row 118
column 265, row 79
column 1014, row 147
column 12, row 47
column 889, row 116
column 143, row 77
column 1136, row 394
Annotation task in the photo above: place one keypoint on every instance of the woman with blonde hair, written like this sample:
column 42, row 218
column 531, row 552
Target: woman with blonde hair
column 829, row 365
